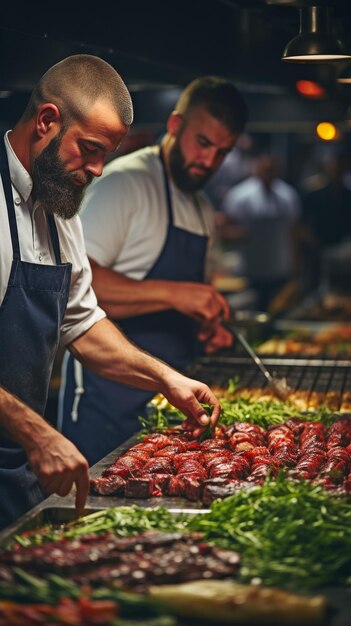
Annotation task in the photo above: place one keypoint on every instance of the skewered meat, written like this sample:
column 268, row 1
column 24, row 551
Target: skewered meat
column 176, row 465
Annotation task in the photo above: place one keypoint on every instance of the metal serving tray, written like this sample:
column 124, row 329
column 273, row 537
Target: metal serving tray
column 56, row 510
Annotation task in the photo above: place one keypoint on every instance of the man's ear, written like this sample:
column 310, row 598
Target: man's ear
column 48, row 119
column 174, row 123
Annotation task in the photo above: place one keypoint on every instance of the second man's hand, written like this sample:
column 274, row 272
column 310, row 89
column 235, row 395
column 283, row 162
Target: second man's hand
column 215, row 337
column 201, row 301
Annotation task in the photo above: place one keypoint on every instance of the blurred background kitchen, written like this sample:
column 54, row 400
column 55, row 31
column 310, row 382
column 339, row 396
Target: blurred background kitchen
column 282, row 198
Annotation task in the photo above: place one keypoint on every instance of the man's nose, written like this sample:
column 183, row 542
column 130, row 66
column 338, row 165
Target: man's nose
column 209, row 158
column 95, row 169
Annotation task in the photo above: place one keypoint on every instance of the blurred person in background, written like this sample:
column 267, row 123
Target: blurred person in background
column 326, row 218
column 265, row 211
column 147, row 227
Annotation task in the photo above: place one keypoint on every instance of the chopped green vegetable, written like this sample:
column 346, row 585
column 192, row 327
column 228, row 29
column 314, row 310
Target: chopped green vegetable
column 289, row 533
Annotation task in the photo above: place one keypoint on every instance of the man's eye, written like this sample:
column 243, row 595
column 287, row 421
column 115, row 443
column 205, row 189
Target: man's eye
column 88, row 149
column 203, row 142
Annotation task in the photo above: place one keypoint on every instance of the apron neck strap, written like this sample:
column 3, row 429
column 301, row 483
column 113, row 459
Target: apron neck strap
column 167, row 188
column 6, row 181
column 54, row 238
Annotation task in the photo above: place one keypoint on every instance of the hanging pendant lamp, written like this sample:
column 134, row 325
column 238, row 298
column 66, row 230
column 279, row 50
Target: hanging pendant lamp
column 315, row 42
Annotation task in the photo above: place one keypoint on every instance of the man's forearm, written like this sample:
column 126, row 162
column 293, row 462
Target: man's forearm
column 19, row 422
column 121, row 296
column 106, row 351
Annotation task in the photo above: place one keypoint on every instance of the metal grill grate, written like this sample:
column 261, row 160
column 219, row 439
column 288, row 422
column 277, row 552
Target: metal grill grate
column 322, row 376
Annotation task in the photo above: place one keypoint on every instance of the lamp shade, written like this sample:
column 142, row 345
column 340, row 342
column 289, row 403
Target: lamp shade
column 315, row 43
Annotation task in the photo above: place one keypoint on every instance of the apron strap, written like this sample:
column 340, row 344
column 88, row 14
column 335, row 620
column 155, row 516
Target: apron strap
column 167, row 189
column 54, row 238
column 6, row 181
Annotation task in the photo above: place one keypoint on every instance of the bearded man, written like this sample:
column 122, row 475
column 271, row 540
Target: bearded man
column 79, row 111
column 147, row 229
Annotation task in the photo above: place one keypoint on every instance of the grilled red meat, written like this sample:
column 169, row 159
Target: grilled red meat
column 339, row 433
column 108, row 486
column 124, row 466
column 176, row 486
column 286, row 456
column 337, row 464
column 161, row 465
column 246, row 427
column 213, row 444
column 237, row 439
column 160, row 483
column 193, row 468
column 296, row 424
column 145, row 447
column 139, row 487
column 158, row 440
column 194, row 455
column 314, row 433
column 225, row 456
column 129, row 461
column 309, row 465
column 170, row 451
column 192, row 488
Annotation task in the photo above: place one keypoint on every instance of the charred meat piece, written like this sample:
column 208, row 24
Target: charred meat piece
column 167, row 451
column 139, row 487
column 176, row 486
column 182, row 457
column 309, row 465
column 160, row 465
column 213, row 490
column 108, row 485
column 159, row 440
column 213, row 444
column 192, row 488
column 339, row 433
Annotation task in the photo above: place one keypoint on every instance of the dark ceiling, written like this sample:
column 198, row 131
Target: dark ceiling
column 158, row 43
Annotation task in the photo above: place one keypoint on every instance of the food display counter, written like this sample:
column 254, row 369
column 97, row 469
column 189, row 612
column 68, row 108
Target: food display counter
column 288, row 519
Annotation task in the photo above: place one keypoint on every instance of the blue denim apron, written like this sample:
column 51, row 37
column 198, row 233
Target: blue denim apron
column 99, row 414
column 30, row 319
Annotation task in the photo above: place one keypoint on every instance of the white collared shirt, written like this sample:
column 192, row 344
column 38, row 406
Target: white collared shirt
column 35, row 246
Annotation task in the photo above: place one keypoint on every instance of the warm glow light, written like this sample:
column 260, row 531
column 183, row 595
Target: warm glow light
column 326, row 131
column 310, row 89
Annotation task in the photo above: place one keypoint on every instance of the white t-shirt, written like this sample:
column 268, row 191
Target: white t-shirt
column 125, row 218
column 35, row 246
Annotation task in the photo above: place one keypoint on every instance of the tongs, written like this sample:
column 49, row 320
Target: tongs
column 278, row 385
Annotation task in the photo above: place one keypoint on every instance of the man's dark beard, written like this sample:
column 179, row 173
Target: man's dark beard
column 182, row 178
column 54, row 187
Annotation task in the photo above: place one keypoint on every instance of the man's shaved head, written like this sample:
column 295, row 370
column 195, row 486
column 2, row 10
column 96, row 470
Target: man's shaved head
column 76, row 83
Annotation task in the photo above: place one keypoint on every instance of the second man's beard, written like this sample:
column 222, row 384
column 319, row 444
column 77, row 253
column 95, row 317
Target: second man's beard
column 179, row 171
column 54, row 187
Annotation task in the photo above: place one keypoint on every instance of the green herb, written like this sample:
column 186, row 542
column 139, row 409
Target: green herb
column 123, row 521
column 238, row 409
column 269, row 412
column 289, row 533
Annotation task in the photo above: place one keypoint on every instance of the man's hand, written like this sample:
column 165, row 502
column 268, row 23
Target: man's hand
column 200, row 301
column 215, row 337
column 58, row 465
column 186, row 395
